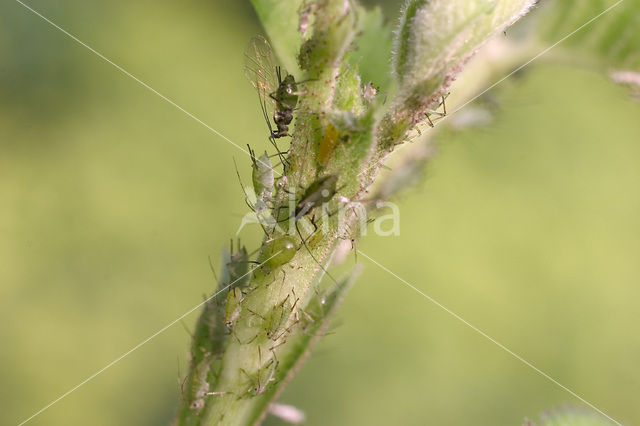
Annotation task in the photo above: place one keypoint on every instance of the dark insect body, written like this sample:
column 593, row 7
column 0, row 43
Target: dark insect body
column 286, row 99
column 233, row 306
column 274, row 91
column 319, row 192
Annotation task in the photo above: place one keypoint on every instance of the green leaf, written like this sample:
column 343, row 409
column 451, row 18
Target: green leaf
column 373, row 54
column 612, row 39
column 435, row 37
column 280, row 20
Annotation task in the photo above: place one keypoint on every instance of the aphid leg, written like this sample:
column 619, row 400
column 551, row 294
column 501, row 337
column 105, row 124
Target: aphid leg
column 444, row 105
column 244, row 191
column 234, row 334
column 249, row 378
column 265, row 114
column 283, row 160
column 294, row 305
column 429, row 120
column 274, row 347
column 284, row 275
column 304, row 243
column 256, row 314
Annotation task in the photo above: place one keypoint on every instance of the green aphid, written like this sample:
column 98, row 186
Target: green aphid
column 233, row 307
column 275, row 321
column 319, row 192
column 262, row 378
column 263, row 181
column 279, row 251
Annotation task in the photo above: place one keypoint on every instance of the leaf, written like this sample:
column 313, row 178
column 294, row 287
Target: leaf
column 280, row 20
column 612, row 39
column 373, row 54
column 435, row 37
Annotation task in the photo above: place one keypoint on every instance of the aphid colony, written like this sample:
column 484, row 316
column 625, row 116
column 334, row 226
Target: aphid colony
column 278, row 94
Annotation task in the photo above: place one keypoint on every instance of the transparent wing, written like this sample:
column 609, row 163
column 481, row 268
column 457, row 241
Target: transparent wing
column 259, row 67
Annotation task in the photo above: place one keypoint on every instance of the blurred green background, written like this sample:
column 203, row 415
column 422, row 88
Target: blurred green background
column 111, row 200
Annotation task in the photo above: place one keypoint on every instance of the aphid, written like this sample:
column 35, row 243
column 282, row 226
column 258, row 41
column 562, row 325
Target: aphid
column 259, row 199
column 261, row 378
column 237, row 268
column 233, row 306
column 273, row 90
column 278, row 251
column 275, row 320
column 319, row 192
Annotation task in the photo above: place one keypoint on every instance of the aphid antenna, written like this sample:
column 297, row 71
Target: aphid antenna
column 255, row 159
